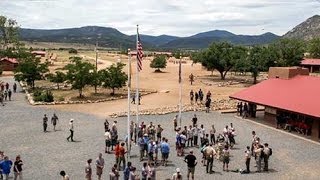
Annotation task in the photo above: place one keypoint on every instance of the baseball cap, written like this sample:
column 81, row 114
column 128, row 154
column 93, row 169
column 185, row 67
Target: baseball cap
column 178, row 170
column 71, row 120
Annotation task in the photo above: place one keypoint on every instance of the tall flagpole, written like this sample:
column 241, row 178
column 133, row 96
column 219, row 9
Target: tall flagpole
column 180, row 91
column 129, row 93
column 137, row 79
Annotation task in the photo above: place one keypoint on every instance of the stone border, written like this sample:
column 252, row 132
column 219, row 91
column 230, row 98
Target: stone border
column 216, row 106
column 32, row 102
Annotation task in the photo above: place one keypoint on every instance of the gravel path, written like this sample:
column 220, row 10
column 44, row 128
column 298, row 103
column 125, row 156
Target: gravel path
column 45, row 154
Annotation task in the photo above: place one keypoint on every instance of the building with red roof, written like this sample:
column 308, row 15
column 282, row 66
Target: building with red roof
column 289, row 93
column 8, row 64
column 39, row 53
column 312, row 64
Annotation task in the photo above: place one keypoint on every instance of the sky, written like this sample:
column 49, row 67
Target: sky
column 157, row 17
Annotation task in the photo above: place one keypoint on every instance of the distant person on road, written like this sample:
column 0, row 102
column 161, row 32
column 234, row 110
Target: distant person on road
column 17, row 168
column 191, row 96
column 54, row 121
column 196, row 96
column 200, row 96
column 106, row 125
column 175, row 122
column 2, row 87
column 71, row 128
column 5, row 95
column 99, row 165
column 208, row 104
column 45, row 123
column 14, row 87
column 9, row 94
column 191, row 161
column 191, row 78
column 88, row 170
column 64, row 175
column 1, row 98
column 5, row 166
column 7, row 86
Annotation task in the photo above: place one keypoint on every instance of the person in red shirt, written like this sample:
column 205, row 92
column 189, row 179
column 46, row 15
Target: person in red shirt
column 121, row 157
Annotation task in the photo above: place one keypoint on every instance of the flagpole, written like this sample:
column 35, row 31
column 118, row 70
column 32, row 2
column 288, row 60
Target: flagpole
column 137, row 79
column 180, row 91
column 129, row 93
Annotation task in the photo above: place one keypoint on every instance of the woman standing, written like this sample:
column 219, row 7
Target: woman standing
column 17, row 169
column 212, row 135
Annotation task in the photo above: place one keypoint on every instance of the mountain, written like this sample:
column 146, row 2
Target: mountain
column 110, row 37
column 107, row 37
column 307, row 30
column 203, row 40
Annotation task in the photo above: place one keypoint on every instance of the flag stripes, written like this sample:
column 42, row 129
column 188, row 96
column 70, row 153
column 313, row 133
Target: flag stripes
column 139, row 53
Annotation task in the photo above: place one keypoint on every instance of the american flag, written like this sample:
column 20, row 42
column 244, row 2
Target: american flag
column 139, row 53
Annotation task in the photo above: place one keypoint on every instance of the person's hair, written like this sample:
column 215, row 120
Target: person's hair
column 248, row 147
column 18, row 157
column 89, row 160
column 266, row 144
column 253, row 132
column 122, row 144
column 226, row 146
column 129, row 163
column 62, row 173
column 145, row 164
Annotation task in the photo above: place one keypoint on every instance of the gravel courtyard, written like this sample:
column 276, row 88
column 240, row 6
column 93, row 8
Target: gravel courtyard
column 45, row 154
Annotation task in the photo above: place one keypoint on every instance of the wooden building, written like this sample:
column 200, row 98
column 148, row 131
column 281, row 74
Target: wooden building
column 8, row 64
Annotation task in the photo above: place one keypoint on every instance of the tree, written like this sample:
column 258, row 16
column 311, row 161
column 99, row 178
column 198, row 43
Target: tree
column 58, row 77
column 73, row 51
column 30, row 69
column 78, row 73
column 113, row 77
column 219, row 56
column 314, row 48
column 95, row 80
column 8, row 32
column 289, row 52
column 159, row 62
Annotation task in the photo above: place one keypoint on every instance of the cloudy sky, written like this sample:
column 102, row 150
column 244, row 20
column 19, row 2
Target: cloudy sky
column 156, row 17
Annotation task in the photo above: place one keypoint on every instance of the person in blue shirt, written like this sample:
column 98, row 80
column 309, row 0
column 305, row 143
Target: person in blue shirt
column 165, row 150
column 126, row 172
column 6, row 165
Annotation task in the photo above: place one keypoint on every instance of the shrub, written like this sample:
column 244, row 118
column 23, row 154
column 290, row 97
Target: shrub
column 45, row 96
column 73, row 51
column 61, row 98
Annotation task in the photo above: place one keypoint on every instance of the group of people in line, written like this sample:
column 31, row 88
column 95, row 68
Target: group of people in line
column 198, row 98
column 245, row 110
column 6, row 165
column 6, row 92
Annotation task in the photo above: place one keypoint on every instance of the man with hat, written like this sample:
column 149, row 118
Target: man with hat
column 71, row 130
column 177, row 175
column 191, row 160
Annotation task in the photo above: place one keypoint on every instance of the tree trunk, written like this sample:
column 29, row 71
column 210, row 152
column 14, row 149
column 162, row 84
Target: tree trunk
column 222, row 75
column 95, row 89
column 80, row 93
column 254, row 79
column 32, row 84
column 113, row 89
column 58, row 86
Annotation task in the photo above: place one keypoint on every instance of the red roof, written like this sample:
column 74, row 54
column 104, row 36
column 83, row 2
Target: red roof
column 12, row 60
column 310, row 62
column 299, row 94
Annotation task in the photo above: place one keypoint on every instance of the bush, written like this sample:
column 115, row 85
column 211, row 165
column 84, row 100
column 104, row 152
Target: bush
column 1, row 70
column 61, row 98
column 73, row 51
column 45, row 96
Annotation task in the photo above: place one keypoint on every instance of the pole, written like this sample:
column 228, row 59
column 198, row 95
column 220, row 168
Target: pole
column 129, row 93
column 96, row 55
column 137, row 79
column 180, row 91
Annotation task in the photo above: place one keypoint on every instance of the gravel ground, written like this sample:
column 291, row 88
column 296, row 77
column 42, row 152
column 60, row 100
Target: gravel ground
column 45, row 154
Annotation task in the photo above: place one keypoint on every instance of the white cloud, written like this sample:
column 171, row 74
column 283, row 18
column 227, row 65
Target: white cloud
column 155, row 17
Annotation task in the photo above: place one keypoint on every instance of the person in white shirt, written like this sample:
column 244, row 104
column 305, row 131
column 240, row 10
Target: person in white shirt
column 107, row 135
column 195, row 131
column 202, row 133
column 190, row 136
column 71, row 128
column 248, row 158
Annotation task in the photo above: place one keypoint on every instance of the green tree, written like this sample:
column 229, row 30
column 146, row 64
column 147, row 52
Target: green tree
column 113, row 77
column 30, row 69
column 8, row 32
column 159, row 62
column 314, row 48
column 79, row 73
column 58, row 77
column 95, row 79
column 289, row 52
column 73, row 51
column 219, row 56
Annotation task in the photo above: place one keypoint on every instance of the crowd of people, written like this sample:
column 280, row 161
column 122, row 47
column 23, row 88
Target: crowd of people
column 197, row 97
column 6, row 92
column 6, row 166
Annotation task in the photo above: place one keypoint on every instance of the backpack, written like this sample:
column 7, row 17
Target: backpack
column 270, row 152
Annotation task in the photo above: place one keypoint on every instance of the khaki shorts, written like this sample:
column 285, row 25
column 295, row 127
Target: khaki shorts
column 191, row 170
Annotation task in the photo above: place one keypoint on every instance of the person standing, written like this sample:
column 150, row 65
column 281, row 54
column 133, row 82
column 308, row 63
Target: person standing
column 107, row 135
column 14, row 87
column 71, row 128
column 245, row 110
column 106, row 125
column 114, row 174
column 141, row 144
column 226, row 158
column 122, row 158
column 195, row 131
column 1, row 98
column 202, row 133
column 191, row 97
column 209, row 153
column 191, row 161
column 17, row 168
column 248, row 158
column 200, row 96
column 64, row 175
column 159, row 130
column 266, row 154
column 208, row 104
column 88, row 170
column 7, row 86
column 54, row 121
column 152, row 172
column 212, row 135
column 175, row 122
column 259, row 155
column 5, row 93
column 177, row 175
column 190, row 136
column 99, row 165
column 144, row 171
column 191, row 78
column 9, row 94
column 196, row 97
column 194, row 120
column 165, row 150
column 126, row 172
column 45, row 123
column 6, row 165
